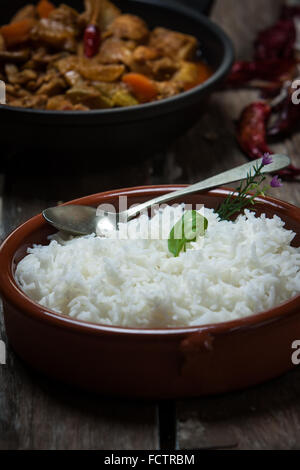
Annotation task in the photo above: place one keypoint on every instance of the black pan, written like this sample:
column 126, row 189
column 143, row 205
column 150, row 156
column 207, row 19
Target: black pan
column 126, row 132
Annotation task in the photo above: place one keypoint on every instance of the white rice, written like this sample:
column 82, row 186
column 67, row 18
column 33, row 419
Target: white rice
column 239, row 269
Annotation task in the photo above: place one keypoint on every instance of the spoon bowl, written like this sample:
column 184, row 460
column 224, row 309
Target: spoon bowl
column 75, row 220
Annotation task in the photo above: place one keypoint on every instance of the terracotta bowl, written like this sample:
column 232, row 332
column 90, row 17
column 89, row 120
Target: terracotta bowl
column 157, row 363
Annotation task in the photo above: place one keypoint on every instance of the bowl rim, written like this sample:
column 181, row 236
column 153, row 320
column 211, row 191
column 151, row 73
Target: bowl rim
column 12, row 293
column 167, row 104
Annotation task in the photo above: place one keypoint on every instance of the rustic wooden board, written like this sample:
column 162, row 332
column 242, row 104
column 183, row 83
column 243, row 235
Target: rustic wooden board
column 267, row 416
column 38, row 414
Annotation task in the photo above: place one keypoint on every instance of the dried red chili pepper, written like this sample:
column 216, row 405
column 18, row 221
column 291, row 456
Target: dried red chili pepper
column 288, row 117
column 276, row 42
column 273, row 70
column 251, row 133
column 91, row 40
column 291, row 172
column 92, row 35
column 274, row 52
column 275, row 64
column 269, row 89
column 289, row 12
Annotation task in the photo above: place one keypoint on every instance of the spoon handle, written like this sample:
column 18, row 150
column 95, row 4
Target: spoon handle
column 239, row 173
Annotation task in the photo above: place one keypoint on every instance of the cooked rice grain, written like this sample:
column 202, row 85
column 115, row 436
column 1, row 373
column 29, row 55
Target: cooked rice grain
column 239, row 269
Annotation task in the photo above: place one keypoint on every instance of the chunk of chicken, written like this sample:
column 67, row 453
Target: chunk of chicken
column 60, row 103
column 12, row 72
column 30, row 101
column 66, row 16
column 54, row 34
column 14, row 76
column 41, row 57
column 163, row 69
column 144, row 53
column 107, row 13
column 46, row 78
column 175, row 45
column 53, row 87
column 90, row 69
column 168, row 89
column 59, row 30
column 73, row 78
column 187, row 73
column 97, row 72
column 15, row 91
column 124, row 98
column 116, row 51
column 67, row 64
column 141, row 59
column 129, row 27
column 148, row 60
column 88, row 96
column 29, row 11
column 2, row 43
column 14, row 56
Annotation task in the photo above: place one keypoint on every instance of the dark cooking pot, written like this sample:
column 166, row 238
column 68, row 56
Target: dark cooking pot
column 127, row 131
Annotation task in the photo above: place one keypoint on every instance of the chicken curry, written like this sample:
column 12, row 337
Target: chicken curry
column 57, row 58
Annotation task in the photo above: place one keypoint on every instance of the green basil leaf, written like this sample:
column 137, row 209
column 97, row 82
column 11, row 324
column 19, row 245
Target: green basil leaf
column 187, row 229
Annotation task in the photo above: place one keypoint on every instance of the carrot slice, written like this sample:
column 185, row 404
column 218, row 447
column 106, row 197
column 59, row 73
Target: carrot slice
column 204, row 73
column 18, row 32
column 44, row 8
column 141, row 86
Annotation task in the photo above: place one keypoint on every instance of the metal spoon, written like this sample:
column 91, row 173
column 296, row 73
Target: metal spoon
column 84, row 220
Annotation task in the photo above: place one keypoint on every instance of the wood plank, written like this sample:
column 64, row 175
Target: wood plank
column 267, row 416
column 36, row 413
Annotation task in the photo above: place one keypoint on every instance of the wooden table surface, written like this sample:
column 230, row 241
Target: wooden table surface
column 36, row 413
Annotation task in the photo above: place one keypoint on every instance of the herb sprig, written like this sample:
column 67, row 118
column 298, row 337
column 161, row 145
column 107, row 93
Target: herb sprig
column 192, row 224
column 186, row 230
column 248, row 190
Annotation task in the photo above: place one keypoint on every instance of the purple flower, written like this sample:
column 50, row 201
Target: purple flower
column 276, row 182
column 267, row 159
